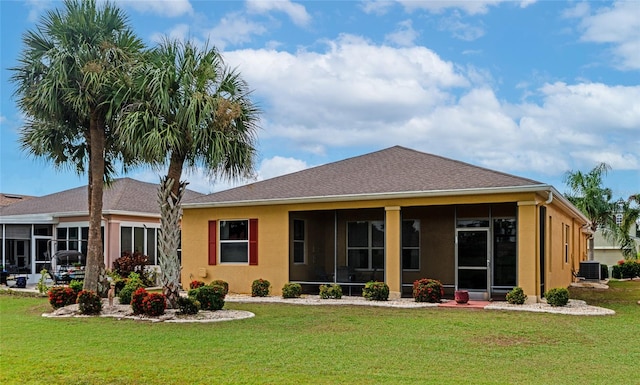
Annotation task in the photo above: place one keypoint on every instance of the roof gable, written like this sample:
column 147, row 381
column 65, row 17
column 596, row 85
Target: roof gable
column 123, row 195
column 393, row 170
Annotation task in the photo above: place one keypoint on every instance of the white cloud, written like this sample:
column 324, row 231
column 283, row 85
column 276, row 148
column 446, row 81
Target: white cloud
column 168, row 8
column 439, row 6
column 618, row 25
column 3, row 119
column 276, row 166
column 180, row 32
column 314, row 101
column 459, row 29
column 378, row 7
column 234, row 29
column 404, row 36
column 296, row 12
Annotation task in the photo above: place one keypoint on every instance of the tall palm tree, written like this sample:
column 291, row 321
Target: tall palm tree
column 67, row 86
column 193, row 111
column 590, row 197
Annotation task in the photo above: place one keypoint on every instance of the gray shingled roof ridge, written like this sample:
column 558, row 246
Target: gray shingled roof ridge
column 337, row 164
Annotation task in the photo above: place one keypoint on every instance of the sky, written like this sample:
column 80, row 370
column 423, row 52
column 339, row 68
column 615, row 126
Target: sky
column 530, row 88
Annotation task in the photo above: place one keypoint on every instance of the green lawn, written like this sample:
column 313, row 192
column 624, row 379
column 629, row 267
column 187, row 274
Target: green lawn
column 287, row 344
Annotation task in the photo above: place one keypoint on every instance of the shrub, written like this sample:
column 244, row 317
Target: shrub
column 61, row 296
column 76, row 285
column 516, row 296
column 137, row 298
column 626, row 269
column 428, row 290
column 154, row 304
column 260, row 288
column 188, row 305
column 222, row 283
column 331, row 291
column 89, row 302
column 210, row 297
column 557, row 297
column 133, row 283
column 376, row 291
column 129, row 263
column 291, row 290
column 195, row 284
column 42, row 282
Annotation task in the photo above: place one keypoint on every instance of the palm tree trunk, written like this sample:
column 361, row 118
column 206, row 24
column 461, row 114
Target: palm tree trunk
column 95, row 255
column 169, row 239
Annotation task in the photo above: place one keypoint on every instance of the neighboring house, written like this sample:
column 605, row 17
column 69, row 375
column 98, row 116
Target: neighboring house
column 9, row 199
column 34, row 229
column 608, row 253
column 395, row 215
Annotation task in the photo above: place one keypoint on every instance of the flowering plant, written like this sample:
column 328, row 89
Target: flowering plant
column 61, row 296
column 210, row 297
column 376, row 291
column 195, row 284
column 137, row 298
column 260, row 288
column 427, row 290
column 89, row 302
column 154, row 304
column 222, row 283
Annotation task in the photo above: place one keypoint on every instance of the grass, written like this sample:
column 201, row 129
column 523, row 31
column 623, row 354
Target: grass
column 288, row 344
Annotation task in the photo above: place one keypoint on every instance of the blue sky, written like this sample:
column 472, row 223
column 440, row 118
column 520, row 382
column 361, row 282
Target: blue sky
column 531, row 88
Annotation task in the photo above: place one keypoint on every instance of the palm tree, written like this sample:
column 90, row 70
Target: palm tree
column 619, row 231
column 67, row 80
column 192, row 111
column 588, row 195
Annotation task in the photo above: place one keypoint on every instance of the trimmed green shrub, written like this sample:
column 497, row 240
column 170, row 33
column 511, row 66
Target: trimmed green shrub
column 291, row 290
column 626, row 269
column 516, row 296
column 133, row 283
column 188, row 305
column 260, row 288
column 89, row 302
column 222, row 283
column 76, row 285
column 333, row 291
column 428, row 290
column 557, row 297
column 154, row 304
column 61, row 296
column 376, row 291
column 210, row 297
column 137, row 298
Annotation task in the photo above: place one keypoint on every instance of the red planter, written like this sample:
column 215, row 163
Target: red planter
column 461, row 296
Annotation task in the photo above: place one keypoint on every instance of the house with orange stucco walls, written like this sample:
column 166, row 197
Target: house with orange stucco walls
column 395, row 215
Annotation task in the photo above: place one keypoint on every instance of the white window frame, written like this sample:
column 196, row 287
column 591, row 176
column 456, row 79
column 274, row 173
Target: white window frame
column 153, row 260
column 232, row 241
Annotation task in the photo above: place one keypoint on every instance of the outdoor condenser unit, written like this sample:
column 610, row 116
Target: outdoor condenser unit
column 590, row 270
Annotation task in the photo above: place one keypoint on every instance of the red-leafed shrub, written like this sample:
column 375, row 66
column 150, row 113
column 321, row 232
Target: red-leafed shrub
column 137, row 298
column 428, row 290
column 195, row 284
column 154, row 304
column 61, row 296
column 89, row 302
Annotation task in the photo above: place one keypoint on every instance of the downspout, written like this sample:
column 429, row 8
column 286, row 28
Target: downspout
column 550, row 198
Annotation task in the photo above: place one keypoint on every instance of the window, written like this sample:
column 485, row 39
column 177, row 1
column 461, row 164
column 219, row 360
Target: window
column 411, row 245
column 365, row 245
column 234, row 241
column 298, row 241
column 566, row 244
column 140, row 239
column 72, row 238
column 238, row 241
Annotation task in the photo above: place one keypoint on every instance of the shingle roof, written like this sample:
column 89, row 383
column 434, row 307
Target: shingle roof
column 393, row 170
column 124, row 194
column 9, row 199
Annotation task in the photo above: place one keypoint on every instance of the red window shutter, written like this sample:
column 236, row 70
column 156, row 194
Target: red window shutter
column 213, row 245
column 253, row 241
